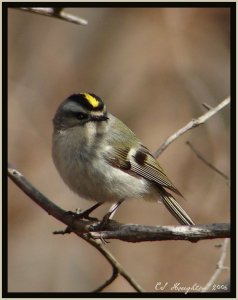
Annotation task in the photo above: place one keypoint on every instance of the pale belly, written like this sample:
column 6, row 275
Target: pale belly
column 104, row 184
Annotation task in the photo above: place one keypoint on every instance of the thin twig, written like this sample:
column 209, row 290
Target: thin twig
column 113, row 262
column 192, row 124
column 107, row 282
column 220, row 267
column 207, row 106
column 207, row 162
column 75, row 225
column 55, row 13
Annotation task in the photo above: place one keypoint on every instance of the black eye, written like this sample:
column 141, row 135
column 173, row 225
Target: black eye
column 81, row 116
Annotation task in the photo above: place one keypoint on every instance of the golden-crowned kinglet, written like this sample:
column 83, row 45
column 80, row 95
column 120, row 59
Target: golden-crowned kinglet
column 101, row 159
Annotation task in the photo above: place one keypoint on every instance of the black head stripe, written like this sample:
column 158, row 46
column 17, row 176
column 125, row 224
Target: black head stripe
column 89, row 101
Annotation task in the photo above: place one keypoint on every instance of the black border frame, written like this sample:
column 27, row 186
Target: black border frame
column 5, row 7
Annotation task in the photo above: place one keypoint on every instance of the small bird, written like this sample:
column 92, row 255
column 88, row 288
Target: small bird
column 101, row 159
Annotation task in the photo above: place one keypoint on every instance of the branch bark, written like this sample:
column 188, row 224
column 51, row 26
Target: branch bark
column 140, row 233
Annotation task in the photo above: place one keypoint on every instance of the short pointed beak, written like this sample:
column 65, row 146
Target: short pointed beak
column 100, row 118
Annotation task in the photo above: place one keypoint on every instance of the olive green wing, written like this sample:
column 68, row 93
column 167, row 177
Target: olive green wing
column 148, row 167
column 141, row 162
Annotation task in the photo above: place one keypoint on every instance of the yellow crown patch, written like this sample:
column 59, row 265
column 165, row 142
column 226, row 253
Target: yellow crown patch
column 92, row 100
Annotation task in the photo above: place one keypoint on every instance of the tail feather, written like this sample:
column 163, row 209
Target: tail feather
column 176, row 210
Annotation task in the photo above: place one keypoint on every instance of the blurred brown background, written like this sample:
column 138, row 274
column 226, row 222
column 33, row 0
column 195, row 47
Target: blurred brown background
column 154, row 67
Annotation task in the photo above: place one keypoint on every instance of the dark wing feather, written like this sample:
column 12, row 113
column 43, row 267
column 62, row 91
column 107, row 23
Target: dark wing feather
column 143, row 164
column 151, row 170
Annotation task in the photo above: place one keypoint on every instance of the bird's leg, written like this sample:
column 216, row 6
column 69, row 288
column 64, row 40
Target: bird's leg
column 111, row 213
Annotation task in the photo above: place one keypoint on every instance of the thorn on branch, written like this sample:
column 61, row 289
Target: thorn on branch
column 64, row 231
column 207, row 106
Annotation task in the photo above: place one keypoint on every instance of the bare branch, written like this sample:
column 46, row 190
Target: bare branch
column 220, row 267
column 192, row 124
column 54, row 12
column 141, row 233
column 115, row 230
column 80, row 227
column 207, row 162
